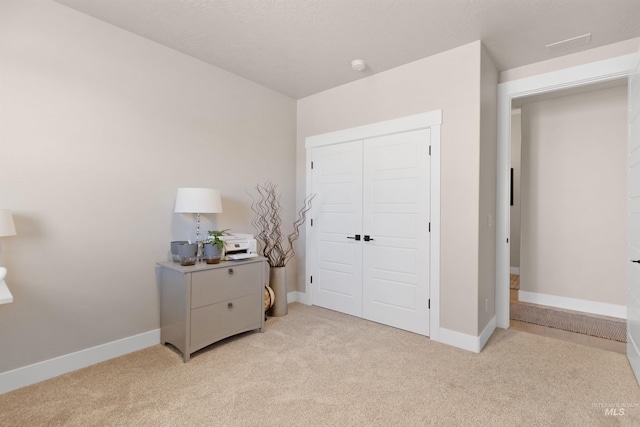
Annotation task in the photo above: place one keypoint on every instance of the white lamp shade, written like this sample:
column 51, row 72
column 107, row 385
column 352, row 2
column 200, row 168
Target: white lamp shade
column 198, row 200
column 7, row 227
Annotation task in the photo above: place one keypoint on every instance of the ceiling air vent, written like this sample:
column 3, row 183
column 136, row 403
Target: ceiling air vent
column 569, row 43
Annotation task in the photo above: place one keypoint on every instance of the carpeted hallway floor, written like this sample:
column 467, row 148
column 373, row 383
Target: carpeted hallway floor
column 615, row 330
column 572, row 326
column 316, row 367
column 514, row 281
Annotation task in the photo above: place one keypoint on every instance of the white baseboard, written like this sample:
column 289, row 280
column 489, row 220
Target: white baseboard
column 514, row 270
column 445, row 336
column 467, row 342
column 298, row 296
column 486, row 333
column 27, row 375
column 593, row 307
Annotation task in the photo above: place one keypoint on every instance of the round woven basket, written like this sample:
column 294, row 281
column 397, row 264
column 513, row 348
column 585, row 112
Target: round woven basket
column 269, row 298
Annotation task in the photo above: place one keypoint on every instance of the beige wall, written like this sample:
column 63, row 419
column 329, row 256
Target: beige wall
column 487, row 182
column 98, row 128
column 449, row 81
column 573, row 196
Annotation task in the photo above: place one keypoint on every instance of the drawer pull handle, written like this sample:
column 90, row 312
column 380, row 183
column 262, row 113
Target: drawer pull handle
column 230, row 305
column 231, row 272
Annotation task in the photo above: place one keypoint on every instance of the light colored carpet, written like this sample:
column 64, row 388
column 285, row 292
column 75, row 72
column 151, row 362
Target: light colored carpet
column 572, row 322
column 315, row 367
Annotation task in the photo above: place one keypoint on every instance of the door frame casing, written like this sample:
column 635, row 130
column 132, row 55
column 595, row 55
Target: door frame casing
column 581, row 75
column 431, row 120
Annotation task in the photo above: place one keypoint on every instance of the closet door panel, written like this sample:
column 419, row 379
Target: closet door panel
column 396, row 186
column 337, row 265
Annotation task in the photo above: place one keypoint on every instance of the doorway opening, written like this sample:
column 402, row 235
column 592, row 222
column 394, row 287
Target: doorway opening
column 568, row 152
column 601, row 71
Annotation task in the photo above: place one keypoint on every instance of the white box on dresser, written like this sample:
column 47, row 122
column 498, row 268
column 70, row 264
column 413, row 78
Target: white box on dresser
column 205, row 303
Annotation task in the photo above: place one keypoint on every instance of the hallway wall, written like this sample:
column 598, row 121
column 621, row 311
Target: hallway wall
column 574, row 196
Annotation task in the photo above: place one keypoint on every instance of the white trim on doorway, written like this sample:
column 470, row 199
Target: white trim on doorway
column 600, row 71
column 431, row 120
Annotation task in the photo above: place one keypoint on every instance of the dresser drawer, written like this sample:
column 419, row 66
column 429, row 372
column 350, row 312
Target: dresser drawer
column 222, row 284
column 221, row 320
column 206, row 303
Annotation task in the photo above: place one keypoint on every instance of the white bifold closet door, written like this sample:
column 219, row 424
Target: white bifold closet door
column 371, row 229
column 337, row 184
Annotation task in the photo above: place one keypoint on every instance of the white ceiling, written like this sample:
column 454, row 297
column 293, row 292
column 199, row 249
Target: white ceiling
column 301, row 47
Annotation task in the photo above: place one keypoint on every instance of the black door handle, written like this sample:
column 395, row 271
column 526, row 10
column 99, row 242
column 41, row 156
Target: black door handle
column 367, row 238
column 356, row 237
column 636, row 260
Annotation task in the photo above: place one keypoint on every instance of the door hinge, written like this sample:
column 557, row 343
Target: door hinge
column 311, row 279
column 311, row 165
column 429, row 306
column 507, row 240
column 429, row 227
column 429, row 150
column 311, row 222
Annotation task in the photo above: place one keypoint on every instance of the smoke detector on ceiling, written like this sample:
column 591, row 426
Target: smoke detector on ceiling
column 569, row 43
column 358, row 64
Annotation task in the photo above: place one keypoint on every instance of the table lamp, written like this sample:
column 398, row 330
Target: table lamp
column 198, row 201
column 7, row 228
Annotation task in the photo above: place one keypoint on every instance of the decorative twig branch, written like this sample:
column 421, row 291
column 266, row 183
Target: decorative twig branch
column 267, row 222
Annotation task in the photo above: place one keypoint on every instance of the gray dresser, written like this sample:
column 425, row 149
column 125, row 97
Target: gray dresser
column 204, row 303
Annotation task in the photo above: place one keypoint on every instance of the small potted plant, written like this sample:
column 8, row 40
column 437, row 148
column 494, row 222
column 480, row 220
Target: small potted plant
column 213, row 246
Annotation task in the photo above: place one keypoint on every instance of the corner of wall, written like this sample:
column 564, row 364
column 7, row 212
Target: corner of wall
column 464, row 341
column 487, row 191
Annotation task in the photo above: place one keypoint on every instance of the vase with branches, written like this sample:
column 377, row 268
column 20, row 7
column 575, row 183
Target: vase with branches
column 277, row 249
column 268, row 224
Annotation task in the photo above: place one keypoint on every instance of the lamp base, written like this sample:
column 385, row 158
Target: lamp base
column 5, row 294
